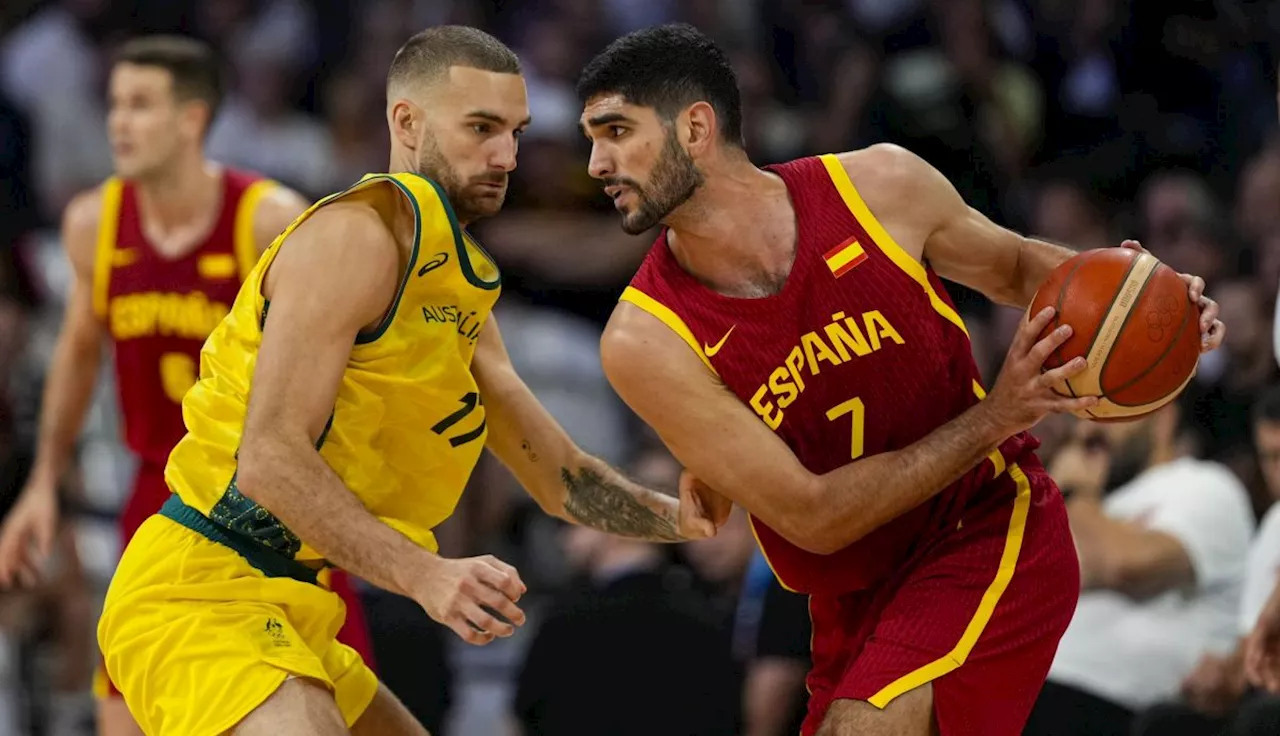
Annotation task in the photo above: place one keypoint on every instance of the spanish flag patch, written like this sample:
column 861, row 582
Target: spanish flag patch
column 845, row 257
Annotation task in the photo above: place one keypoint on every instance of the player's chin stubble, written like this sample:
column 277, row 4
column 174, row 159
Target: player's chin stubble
column 467, row 206
column 674, row 180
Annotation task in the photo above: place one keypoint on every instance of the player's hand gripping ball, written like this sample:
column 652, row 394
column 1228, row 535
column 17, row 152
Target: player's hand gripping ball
column 1140, row 325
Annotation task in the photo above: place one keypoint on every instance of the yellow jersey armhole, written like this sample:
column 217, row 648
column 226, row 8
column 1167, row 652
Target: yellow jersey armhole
column 885, row 242
column 105, row 247
column 246, row 245
column 668, row 318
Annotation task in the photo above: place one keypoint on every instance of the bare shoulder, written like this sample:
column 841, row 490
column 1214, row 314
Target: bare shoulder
column 883, row 163
column 81, row 219
column 345, row 247
column 909, row 197
column 887, row 171
column 275, row 212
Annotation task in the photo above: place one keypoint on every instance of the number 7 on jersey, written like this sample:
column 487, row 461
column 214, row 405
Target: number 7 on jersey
column 857, row 410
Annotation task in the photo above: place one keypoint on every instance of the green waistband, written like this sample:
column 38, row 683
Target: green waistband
column 263, row 558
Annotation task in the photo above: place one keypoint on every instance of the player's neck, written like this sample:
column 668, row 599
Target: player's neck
column 738, row 225
column 172, row 199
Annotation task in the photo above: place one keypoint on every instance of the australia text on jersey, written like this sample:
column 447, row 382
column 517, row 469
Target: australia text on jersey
column 468, row 325
column 845, row 340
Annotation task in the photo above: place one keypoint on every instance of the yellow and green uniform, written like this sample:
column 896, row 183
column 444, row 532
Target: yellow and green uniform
column 212, row 597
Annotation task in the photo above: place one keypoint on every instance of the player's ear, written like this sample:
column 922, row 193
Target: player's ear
column 406, row 123
column 698, row 127
column 196, row 118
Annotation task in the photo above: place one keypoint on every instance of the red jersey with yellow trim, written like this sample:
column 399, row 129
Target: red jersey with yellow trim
column 861, row 352
column 159, row 310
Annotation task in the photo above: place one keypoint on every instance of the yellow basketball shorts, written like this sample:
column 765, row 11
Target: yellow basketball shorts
column 196, row 636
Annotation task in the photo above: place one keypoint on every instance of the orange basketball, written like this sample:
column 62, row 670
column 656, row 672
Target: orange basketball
column 1132, row 320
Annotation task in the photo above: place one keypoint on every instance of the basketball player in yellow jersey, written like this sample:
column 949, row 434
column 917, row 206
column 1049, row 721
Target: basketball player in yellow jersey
column 341, row 407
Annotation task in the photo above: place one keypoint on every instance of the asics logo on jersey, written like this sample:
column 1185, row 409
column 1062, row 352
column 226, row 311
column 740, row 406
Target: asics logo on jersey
column 436, row 262
column 711, row 350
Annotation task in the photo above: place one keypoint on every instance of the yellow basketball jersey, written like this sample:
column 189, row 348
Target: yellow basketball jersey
column 408, row 424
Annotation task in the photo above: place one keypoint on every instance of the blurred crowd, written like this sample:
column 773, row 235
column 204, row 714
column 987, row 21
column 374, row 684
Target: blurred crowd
column 1080, row 121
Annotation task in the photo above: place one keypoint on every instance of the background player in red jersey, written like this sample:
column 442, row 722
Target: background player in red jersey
column 782, row 308
column 158, row 254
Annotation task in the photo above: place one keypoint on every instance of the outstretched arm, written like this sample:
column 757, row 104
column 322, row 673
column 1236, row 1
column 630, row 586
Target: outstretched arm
column 729, row 449
column 567, row 482
column 336, row 275
column 935, row 225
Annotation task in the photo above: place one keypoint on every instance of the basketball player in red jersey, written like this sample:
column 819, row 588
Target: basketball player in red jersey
column 790, row 340
column 158, row 253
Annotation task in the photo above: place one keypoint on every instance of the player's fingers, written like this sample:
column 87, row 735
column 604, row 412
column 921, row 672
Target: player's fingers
column 1195, row 286
column 721, row 508
column 467, row 632
column 1213, row 338
column 485, row 621
column 499, row 603
column 1070, row 369
column 506, row 581
column 12, row 547
column 497, row 564
column 1081, row 403
column 1044, row 348
column 1133, row 245
column 43, row 536
column 1208, row 312
column 1030, row 330
column 698, row 528
column 28, row 576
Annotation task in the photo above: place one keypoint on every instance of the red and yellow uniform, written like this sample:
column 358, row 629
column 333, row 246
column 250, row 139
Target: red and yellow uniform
column 159, row 311
column 862, row 352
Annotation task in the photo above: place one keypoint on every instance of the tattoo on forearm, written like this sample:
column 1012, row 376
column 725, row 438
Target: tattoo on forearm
column 598, row 503
column 528, row 451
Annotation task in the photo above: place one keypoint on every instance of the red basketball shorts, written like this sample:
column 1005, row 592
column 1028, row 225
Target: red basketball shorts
column 978, row 613
column 149, row 494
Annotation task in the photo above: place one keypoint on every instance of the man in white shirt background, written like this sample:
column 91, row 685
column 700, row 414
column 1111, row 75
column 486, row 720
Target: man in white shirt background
column 1216, row 698
column 1163, row 539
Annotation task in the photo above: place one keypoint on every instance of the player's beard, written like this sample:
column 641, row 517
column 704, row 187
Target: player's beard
column 674, row 180
column 468, row 205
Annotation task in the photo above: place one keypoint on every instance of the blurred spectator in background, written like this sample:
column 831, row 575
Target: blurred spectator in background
column 631, row 650
column 1215, row 697
column 1163, row 540
column 772, row 637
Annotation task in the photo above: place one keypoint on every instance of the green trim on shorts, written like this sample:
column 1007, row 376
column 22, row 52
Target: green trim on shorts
column 263, row 558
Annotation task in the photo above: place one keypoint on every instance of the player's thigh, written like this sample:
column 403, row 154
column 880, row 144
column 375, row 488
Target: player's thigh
column 386, row 715
column 114, row 718
column 299, row 707
column 910, row 714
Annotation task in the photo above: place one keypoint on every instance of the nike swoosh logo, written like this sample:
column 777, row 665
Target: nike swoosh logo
column 436, row 262
column 711, row 350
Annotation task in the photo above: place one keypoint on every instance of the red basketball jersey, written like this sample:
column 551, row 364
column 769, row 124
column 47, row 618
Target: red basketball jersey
column 861, row 352
column 160, row 310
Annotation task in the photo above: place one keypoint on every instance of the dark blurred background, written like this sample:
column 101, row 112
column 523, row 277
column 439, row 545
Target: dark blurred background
column 1080, row 121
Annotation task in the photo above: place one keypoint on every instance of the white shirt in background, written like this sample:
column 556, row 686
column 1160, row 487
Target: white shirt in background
column 1136, row 653
column 1263, row 571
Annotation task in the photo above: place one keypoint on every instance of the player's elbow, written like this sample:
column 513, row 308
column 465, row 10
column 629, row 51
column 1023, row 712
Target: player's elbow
column 260, row 460
column 826, row 537
column 812, row 523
